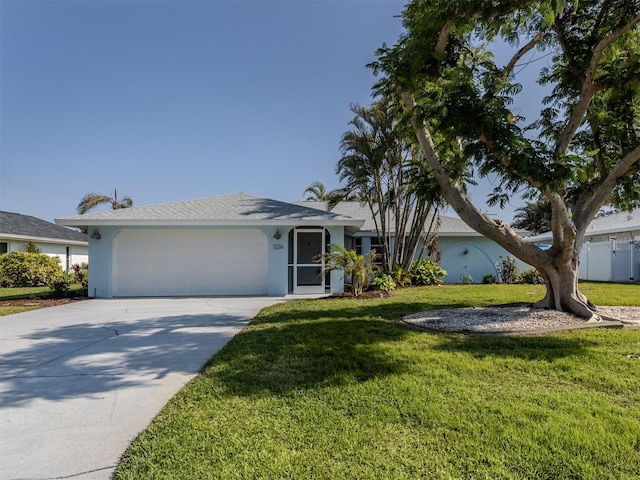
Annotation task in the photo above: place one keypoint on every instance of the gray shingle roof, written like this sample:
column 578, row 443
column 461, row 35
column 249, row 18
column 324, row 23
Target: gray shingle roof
column 15, row 224
column 609, row 224
column 450, row 226
column 238, row 208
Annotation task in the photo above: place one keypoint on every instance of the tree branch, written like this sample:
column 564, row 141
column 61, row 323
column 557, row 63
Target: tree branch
column 520, row 53
column 589, row 88
column 443, row 38
column 453, row 191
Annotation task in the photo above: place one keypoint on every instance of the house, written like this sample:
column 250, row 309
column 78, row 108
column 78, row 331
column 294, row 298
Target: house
column 614, row 226
column 245, row 245
column 227, row 245
column 611, row 251
column 17, row 230
column 463, row 250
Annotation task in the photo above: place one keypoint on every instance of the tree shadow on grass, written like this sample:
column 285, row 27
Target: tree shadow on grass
column 535, row 348
column 283, row 351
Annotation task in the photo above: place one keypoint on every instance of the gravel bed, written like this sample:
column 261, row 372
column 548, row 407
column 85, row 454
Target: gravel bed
column 508, row 318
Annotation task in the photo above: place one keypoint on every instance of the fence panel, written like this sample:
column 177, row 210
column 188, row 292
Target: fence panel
column 617, row 261
column 598, row 261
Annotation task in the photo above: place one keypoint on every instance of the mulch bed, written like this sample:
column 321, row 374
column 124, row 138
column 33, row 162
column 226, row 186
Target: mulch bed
column 39, row 302
column 363, row 296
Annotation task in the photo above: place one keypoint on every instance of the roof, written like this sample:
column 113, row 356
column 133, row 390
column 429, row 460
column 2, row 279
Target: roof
column 609, row 224
column 26, row 227
column 235, row 209
column 449, row 226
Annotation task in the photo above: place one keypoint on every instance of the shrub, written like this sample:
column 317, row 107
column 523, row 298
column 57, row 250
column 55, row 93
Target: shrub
column 426, row 272
column 22, row 269
column 466, row 278
column 383, row 282
column 354, row 265
column 532, row 276
column 401, row 276
column 60, row 287
column 508, row 270
column 489, row 279
column 83, row 278
column 32, row 248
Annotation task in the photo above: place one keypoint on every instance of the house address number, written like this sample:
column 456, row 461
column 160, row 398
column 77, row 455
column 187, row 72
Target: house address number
column 278, row 246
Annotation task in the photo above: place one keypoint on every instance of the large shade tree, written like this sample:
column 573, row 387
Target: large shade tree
column 382, row 166
column 580, row 152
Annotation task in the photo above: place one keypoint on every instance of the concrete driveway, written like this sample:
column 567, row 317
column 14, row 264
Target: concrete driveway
column 79, row 381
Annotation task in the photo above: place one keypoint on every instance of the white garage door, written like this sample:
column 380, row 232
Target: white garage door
column 184, row 262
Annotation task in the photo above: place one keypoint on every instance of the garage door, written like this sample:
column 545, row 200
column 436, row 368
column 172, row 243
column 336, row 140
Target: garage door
column 189, row 262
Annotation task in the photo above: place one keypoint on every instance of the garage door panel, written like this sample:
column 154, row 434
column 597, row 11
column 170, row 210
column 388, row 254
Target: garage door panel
column 189, row 262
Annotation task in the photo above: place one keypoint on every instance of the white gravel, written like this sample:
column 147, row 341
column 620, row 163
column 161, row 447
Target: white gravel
column 510, row 319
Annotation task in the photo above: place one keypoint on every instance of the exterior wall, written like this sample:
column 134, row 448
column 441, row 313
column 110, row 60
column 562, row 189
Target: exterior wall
column 477, row 256
column 77, row 253
column 481, row 257
column 101, row 254
column 337, row 276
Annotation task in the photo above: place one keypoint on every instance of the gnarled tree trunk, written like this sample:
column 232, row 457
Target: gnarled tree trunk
column 563, row 293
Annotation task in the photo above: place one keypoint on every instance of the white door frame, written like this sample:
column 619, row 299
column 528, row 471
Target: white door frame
column 308, row 289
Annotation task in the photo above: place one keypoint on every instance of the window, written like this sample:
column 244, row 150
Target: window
column 357, row 245
column 4, row 247
column 376, row 244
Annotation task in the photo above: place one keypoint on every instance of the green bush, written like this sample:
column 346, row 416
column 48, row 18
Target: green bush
column 466, row 278
column 401, row 276
column 60, row 287
column 489, row 279
column 81, row 274
column 426, row 272
column 23, row 269
column 508, row 270
column 532, row 276
column 383, row 282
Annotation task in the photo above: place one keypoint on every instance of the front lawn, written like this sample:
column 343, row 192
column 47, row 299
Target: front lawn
column 37, row 298
column 332, row 389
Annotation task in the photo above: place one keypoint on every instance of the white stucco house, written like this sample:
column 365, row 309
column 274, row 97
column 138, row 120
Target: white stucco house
column 17, row 230
column 245, row 245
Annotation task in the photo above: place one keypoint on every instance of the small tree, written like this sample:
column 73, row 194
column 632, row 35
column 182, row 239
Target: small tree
column 354, row 265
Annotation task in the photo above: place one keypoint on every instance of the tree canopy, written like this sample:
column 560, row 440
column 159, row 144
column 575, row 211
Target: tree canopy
column 581, row 151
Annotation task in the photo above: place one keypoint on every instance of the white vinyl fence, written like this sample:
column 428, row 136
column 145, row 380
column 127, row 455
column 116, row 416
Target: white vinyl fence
column 612, row 261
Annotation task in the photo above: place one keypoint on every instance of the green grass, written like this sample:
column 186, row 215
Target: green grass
column 34, row 293
column 338, row 389
column 23, row 292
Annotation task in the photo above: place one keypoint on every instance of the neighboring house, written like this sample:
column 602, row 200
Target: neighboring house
column 463, row 250
column 17, row 230
column 611, row 251
column 228, row 245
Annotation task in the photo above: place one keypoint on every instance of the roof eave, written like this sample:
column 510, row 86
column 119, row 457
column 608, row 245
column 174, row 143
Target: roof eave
column 80, row 222
column 31, row 238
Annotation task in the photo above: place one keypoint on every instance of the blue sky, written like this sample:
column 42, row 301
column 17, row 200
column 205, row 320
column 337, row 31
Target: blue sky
column 169, row 101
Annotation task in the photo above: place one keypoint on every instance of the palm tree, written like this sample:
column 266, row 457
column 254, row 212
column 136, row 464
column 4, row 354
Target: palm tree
column 534, row 217
column 317, row 192
column 92, row 200
column 380, row 166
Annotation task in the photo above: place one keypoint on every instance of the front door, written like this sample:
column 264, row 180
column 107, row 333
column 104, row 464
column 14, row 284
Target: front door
column 308, row 275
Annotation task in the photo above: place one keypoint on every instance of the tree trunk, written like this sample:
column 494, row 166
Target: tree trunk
column 563, row 293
